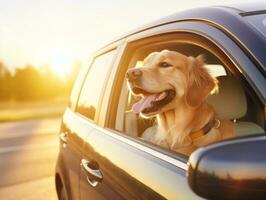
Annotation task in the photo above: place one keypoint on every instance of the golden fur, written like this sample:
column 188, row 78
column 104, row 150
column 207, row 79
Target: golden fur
column 188, row 111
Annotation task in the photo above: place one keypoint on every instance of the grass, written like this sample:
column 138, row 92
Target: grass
column 15, row 111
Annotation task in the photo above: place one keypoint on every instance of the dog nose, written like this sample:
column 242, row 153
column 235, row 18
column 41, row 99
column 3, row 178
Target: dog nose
column 133, row 74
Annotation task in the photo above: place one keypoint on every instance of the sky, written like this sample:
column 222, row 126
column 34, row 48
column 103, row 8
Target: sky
column 43, row 32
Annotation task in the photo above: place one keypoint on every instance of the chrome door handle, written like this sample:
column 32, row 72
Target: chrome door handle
column 94, row 175
column 63, row 137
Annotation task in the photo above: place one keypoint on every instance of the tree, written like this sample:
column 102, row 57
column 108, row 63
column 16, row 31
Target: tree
column 30, row 83
column 5, row 83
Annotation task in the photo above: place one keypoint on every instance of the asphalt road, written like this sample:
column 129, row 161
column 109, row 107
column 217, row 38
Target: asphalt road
column 28, row 152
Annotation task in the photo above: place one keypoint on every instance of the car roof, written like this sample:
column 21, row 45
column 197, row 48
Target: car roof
column 228, row 18
column 249, row 7
column 212, row 13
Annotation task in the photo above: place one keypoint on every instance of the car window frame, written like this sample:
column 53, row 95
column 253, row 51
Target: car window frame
column 131, row 43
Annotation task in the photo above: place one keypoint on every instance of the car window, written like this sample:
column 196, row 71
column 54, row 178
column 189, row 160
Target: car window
column 77, row 87
column 142, row 123
column 90, row 94
column 237, row 110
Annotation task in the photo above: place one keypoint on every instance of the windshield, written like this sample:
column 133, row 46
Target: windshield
column 259, row 22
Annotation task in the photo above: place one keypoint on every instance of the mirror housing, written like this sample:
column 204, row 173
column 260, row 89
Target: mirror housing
column 232, row 169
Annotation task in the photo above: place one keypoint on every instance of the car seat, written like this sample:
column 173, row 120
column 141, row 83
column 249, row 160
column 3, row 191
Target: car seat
column 230, row 103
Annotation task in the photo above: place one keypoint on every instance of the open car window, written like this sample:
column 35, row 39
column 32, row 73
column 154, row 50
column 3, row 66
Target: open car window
column 231, row 100
column 135, row 125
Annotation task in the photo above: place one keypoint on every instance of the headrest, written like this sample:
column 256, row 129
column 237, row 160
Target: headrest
column 230, row 100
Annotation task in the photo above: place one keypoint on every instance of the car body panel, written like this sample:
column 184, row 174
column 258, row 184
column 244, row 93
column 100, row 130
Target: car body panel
column 70, row 155
column 129, row 173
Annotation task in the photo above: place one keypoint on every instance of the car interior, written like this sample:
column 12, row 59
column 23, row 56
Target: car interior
column 233, row 101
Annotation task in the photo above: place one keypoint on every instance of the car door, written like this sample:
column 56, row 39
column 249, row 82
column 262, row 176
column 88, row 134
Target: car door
column 123, row 166
column 106, row 173
column 132, row 170
column 86, row 115
column 119, row 167
column 139, row 170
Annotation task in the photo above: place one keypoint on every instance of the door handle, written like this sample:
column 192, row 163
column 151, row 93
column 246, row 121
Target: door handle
column 94, row 174
column 63, row 137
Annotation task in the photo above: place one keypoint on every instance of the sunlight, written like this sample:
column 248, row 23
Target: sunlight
column 61, row 63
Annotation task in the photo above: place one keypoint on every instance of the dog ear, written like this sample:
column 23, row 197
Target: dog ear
column 200, row 83
column 150, row 57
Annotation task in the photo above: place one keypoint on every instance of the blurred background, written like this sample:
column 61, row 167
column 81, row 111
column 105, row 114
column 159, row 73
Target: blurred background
column 43, row 45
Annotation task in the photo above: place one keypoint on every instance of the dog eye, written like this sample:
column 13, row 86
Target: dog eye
column 164, row 64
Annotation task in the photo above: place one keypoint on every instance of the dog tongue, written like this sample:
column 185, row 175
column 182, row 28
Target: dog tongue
column 143, row 103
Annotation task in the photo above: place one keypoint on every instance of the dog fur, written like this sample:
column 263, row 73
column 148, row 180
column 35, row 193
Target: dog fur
column 188, row 111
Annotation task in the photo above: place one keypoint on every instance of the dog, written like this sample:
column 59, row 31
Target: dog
column 174, row 88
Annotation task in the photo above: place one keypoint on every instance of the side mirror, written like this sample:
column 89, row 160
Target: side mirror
column 232, row 169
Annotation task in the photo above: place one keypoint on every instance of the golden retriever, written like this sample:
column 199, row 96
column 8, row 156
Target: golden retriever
column 174, row 87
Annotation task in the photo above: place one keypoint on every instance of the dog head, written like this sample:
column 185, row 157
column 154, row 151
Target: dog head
column 168, row 79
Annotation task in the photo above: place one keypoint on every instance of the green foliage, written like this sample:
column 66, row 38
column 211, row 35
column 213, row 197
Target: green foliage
column 30, row 83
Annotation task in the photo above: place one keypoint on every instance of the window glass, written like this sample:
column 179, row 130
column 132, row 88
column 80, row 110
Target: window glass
column 77, row 87
column 93, row 85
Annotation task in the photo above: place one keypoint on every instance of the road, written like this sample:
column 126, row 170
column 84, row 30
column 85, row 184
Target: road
column 28, row 151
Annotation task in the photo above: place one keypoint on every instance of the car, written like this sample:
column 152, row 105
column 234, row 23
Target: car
column 102, row 158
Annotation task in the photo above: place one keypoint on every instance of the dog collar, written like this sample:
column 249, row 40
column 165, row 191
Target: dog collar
column 213, row 123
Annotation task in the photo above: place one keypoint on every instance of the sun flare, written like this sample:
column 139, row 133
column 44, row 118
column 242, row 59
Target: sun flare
column 61, row 64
